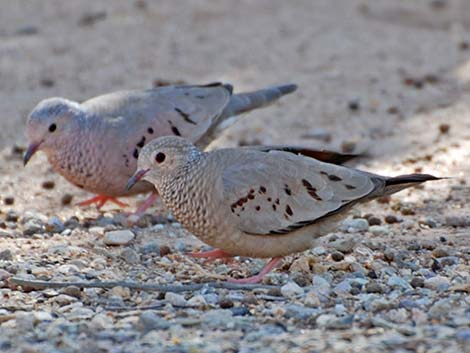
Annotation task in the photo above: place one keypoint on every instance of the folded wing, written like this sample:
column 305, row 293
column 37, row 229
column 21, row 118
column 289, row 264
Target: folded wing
column 277, row 192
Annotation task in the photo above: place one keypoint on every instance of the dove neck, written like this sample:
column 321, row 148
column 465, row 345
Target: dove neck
column 192, row 195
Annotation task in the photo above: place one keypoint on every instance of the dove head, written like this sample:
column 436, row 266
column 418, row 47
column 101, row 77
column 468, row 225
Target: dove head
column 51, row 124
column 163, row 159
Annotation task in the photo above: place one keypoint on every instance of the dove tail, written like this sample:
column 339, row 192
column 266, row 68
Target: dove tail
column 395, row 184
column 244, row 102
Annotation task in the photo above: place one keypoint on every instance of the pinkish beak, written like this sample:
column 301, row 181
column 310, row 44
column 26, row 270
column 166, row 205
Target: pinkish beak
column 32, row 149
column 135, row 178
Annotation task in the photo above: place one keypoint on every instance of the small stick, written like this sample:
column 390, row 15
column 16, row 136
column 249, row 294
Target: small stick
column 139, row 286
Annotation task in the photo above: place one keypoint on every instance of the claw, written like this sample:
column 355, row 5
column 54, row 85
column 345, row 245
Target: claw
column 100, row 200
column 259, row 277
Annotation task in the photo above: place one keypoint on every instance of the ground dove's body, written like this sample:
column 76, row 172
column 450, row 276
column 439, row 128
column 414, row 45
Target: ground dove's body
column 254, row 203
column 95, row 144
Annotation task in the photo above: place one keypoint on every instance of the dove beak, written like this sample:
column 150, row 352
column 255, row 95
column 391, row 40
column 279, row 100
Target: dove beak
column 136, row 177
column 32, row 149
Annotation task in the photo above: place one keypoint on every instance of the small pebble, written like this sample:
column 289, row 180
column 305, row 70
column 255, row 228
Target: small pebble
column 374, row 221
column 66, row 199
column 390, row 219
column 149, row 320
column 130, row 256
column 164, row 250
column 118, row 237
column 6, row 255
column 374, row 287
column 176, row 299
column 55, row 225
column 291, row 289
column 417, row 282
column 225, row 303
column 48, row 185
column 440, row 252
column 344, row 245
column 379, row 230
column 9, row 200
column 337, row 256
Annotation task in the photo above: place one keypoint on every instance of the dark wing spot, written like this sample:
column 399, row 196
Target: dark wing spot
column 150, row 130
column 262, row 190
column 350, row 187
column 200, row 97
column 175, row 131
column 251, row 196
column 274, row 207
column 287, row 190
column 276, row 202
column 289, row 210
column 269, row 199
column 185, row 116
column 136, row 153
column 324, row 173
column 311, row 190
column 334, row 177
column 141, row 143
column 257, row 208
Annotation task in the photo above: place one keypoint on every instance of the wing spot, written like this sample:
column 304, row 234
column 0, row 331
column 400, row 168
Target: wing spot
column 276, row 202
column 289, row 210
column 311, row 190
column 257, row 208
column 200, row 97
column 274, row 207
column 251, row 196
column 185, row 116
column 350, row 187
column 136, row 153
column 287, row 190
column 333, row 177
column 141, row 143
column 150, row 130
column 269, row 199
column 262, row 190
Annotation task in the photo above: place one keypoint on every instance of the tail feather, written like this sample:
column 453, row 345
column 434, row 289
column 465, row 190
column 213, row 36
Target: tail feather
column 321, row 155
column 395, row 184
column 243, row 102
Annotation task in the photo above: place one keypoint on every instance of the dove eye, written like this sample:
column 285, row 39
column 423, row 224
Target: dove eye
column 52, row 127
column 160, row 157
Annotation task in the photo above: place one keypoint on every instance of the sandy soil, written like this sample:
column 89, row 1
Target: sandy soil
column 391, row 79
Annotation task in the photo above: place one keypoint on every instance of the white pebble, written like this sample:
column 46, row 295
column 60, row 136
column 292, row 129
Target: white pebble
column 118, row 237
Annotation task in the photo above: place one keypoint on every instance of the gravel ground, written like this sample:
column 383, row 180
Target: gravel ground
column 389, row 79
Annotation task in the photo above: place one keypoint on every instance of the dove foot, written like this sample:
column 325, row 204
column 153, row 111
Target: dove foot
column 146, row 204
column 211, row 255
column 259, row 277
column 100, row 201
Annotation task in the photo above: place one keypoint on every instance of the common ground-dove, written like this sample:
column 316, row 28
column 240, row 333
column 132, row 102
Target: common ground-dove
column 95, row 144
column 255, row 203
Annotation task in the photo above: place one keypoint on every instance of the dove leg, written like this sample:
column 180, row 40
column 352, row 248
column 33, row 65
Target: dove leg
column 210, row 255
column 100, row 200
column 147, row 203
column 259, row 277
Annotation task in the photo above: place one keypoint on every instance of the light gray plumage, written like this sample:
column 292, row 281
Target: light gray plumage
column 95, row 144
column 254, row 203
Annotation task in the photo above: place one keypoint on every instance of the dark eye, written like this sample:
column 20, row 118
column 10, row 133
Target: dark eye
column 52, row 127
column 160, row 157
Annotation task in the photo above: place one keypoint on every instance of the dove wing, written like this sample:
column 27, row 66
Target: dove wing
column 277, row 192
column 187, row 111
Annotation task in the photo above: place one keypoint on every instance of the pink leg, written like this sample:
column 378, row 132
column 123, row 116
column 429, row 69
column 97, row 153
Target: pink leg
column 146, row 204
column 100, row 200
column 259, row 277
column 210, row 255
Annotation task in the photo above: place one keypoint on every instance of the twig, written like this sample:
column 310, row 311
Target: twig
column 136, row 285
